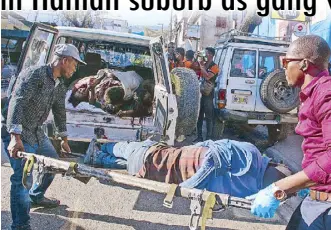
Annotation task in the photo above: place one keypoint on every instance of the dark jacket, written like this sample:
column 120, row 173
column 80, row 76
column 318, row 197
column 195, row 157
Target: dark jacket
column 33, row 95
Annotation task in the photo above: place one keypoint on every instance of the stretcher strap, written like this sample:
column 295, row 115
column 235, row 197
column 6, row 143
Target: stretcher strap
column 207, row 212
column 168, row 200
column 28, row 167
column 71, row 169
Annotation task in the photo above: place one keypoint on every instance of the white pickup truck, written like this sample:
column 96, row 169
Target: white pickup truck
column 172, row 118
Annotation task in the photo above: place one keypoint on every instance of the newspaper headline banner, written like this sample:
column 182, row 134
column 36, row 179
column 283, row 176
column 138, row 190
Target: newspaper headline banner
column 264, row 7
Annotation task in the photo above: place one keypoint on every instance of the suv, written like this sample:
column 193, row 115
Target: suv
column 251, row 87
column 120, row 52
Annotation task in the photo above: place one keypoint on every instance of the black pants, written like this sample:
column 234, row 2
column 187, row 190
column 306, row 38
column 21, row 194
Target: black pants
column 206, row 111
column 322, row 221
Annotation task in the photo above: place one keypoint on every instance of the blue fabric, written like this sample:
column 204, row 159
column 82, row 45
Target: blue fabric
column 323, row 29
column 264, row 203
column 19, row 196
column 303, row 193
column 123, row 155
column 218, row 174
column 311, row 215
column 266, row 28
column 311, row 210
column 108, row 148
column 14, row 34
column 108, row 160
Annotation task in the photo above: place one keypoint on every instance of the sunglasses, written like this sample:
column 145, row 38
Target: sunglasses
column 286, row 61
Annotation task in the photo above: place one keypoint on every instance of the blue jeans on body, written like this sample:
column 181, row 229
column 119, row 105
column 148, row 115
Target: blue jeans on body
column 20, row 197
column 229, row 167
column 311, row 215
column 123, row 155
column 106, row 158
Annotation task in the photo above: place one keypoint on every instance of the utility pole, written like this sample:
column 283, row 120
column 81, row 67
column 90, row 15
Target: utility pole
column 170, row 31
column 36, row 16
column 161, row 24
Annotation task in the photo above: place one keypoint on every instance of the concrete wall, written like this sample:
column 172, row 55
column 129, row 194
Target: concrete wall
column 208, row 32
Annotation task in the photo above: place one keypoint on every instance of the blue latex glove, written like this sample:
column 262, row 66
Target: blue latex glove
column 303, row 193
column 264, row 203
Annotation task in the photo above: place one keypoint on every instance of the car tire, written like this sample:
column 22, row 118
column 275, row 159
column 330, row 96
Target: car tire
column 185, row 86
column 218, row 129
column 277, row 95
column 279, row 132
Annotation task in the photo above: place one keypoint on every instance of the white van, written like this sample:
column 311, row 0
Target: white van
column 123, row 52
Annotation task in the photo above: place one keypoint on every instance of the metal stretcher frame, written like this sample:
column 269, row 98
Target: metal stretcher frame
column 83, row 173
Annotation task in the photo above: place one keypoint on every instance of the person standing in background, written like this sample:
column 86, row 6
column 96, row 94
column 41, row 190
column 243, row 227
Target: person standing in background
column 179, row 57
column 209, row 71
column 190, row 61
column 170, row 54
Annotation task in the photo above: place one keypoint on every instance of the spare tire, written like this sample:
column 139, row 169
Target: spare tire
column 277, row 95
column 185, row 86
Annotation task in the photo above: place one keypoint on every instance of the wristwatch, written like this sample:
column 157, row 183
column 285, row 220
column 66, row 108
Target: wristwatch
column 278, row 193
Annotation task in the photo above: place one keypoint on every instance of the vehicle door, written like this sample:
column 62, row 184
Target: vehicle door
column 242, row 82
column 166, row 110
column 37, row 47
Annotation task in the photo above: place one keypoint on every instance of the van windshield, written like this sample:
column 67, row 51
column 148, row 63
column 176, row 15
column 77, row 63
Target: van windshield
column 117, row 55
column 123, row 59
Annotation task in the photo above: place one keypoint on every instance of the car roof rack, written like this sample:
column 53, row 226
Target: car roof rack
column 242, row 37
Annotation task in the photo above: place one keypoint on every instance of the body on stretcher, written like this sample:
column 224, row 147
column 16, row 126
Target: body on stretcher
column 224, row 166
column 213, row 163
column 200, row 199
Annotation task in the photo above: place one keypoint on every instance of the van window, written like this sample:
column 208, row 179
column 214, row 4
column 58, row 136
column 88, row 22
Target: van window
column 8, row 43
column 222, row 59
column 269, row 62
column 243, row 63
column 217, row 56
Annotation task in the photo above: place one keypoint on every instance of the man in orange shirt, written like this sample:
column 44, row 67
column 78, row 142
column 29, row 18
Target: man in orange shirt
column 191, row 63
column 188, row 62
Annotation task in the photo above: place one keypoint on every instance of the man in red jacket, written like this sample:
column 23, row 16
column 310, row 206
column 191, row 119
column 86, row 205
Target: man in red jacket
column 306, row 66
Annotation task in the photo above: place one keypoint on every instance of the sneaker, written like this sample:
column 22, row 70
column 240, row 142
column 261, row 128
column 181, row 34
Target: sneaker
column 198, row 139
column 46, row 203
column 88, row 159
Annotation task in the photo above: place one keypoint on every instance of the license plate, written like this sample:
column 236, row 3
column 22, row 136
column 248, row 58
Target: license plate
column 240, row 99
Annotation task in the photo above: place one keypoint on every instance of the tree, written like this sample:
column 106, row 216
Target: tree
column 82, row 19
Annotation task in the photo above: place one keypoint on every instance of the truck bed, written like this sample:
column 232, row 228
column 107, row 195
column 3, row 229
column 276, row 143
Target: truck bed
column 81, row 124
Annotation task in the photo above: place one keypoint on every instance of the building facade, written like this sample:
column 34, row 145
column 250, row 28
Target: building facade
column 197, row 30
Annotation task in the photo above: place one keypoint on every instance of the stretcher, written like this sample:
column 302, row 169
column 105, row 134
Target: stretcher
column 203, row 203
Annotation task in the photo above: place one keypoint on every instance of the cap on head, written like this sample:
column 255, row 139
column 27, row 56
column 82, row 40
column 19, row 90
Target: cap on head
column 313, row 48
column 68, row 50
